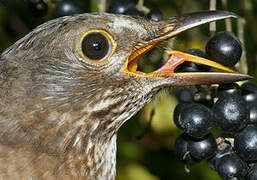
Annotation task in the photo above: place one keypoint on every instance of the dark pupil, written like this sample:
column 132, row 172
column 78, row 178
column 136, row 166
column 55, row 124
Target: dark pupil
column 95, row 46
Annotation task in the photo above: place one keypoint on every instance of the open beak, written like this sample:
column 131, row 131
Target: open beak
column 171, row 28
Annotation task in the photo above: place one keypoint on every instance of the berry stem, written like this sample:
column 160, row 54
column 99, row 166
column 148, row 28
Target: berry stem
column 140, row 6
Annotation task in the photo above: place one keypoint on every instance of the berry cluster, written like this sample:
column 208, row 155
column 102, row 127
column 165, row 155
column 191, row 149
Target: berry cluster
column 70, row 7
column 232, row 110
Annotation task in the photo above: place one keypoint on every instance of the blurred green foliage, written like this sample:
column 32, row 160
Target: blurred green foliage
column 148, row 155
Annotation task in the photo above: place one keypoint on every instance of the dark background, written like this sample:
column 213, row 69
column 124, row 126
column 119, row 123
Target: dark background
column 150, row 156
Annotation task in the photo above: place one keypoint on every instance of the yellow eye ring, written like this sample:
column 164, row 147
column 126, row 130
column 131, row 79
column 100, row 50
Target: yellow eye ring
column 96, row 46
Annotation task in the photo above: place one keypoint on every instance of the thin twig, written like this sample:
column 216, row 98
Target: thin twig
column 228, row 20
column 250, row 18
column 102, row 5
column 212, row 24
column 240, row 34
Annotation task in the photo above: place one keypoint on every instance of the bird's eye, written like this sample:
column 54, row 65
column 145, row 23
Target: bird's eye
column 96, row 45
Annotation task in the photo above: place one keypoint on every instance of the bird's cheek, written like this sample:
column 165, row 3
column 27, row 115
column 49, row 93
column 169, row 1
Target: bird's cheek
column 116, row 64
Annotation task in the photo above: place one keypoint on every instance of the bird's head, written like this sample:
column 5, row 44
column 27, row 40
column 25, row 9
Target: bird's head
column 76, row 77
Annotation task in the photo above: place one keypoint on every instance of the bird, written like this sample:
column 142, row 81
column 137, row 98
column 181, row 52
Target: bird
column 69, row 85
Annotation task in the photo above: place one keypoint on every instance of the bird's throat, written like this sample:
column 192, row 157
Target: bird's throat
column 97, row 162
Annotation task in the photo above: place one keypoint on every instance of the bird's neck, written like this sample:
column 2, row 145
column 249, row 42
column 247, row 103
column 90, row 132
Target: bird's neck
column 97, row 162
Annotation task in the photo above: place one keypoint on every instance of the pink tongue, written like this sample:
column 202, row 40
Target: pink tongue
column 171, row 64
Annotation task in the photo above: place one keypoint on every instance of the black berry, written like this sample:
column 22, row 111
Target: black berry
column 185, row 95
column 181, row 149
column 226, row 90
column 248, row 88
column 134, row 12
column 224, row 48
column 246, row 143
column 204, row 148
column 121, row 6
column 155, row 15
column 232, row 167
column 67, row 8
column 231, row 113
column 187, row 67
column 196, row 120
